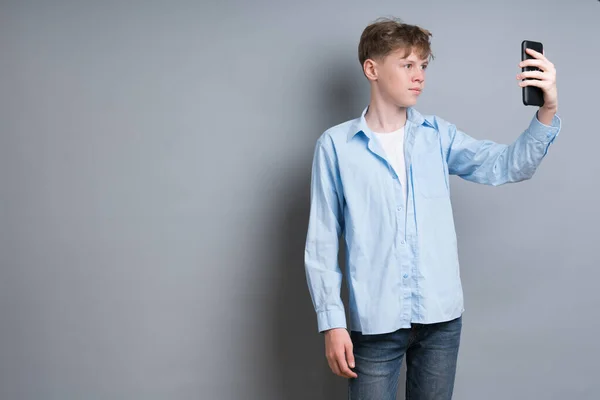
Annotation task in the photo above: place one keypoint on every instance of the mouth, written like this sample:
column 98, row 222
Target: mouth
column 415, row 90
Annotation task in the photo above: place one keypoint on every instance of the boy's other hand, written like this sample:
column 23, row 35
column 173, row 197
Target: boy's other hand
column 338, row 350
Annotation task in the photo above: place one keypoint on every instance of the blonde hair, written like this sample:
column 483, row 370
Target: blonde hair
column 386, row 35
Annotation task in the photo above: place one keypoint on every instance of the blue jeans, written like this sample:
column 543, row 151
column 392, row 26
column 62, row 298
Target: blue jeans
column 431, row 354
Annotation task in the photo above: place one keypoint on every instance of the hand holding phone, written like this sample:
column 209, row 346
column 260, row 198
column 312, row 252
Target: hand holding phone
column 532, row 96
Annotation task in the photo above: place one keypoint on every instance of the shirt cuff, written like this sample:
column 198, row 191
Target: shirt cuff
column 330, row 319
column 542, row 132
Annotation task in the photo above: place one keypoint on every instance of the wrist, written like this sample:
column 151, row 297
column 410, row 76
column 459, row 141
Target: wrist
column 546, row 114
column 549, row 108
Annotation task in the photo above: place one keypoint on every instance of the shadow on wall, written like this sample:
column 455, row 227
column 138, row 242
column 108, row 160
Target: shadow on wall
column 298, row 360
column 299, row 367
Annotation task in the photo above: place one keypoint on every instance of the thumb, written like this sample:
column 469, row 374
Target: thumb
column 349, row 355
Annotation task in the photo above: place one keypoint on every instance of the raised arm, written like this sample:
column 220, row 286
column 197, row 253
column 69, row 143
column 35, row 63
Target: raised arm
column 490, row 163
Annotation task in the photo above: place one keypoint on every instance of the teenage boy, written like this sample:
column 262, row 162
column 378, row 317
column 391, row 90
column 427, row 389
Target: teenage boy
column 382, row 180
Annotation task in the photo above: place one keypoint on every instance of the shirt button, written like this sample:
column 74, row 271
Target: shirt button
column 405, row 276
column 399, row 208
column 403, row 242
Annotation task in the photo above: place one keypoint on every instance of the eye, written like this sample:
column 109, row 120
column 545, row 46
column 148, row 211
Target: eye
column 408, row 66
column 424, row 66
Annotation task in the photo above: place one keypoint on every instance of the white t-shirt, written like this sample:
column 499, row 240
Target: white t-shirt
column 393, row 145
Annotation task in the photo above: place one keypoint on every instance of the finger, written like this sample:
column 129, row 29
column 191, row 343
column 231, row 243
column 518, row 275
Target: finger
column 534, row 75
column 350, row 358
column 346, row 372
column 333, row 366
column 350, row 355
column 536, row 54
column 543, row 65
column 535, row 82
column 343, row 366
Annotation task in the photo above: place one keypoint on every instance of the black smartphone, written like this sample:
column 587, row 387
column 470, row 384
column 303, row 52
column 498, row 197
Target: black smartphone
column 532, row 96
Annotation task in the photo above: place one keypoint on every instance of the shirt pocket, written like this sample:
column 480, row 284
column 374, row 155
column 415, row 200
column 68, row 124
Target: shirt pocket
column 430, row 172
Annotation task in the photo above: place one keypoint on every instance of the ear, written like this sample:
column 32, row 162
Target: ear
column 370, row 69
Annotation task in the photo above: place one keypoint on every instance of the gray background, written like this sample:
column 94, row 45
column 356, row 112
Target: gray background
column 154, row 181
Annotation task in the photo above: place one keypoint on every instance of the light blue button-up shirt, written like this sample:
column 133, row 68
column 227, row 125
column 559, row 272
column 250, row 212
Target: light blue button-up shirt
column 402, row 262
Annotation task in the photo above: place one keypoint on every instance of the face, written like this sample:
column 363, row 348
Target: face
column 400, row 79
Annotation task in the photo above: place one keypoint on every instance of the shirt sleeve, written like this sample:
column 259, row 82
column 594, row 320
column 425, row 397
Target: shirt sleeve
column 323, row 273
column 490, row 163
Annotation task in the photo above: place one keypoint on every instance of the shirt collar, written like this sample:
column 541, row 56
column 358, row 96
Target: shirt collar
column 413, row 116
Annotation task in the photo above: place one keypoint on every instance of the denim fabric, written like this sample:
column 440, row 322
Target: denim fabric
column 431, row 352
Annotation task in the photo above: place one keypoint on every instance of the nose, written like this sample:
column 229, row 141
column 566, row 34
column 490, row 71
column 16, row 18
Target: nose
column 419, row 76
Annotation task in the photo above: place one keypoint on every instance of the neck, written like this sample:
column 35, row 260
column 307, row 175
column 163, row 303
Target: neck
column 384, row 117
